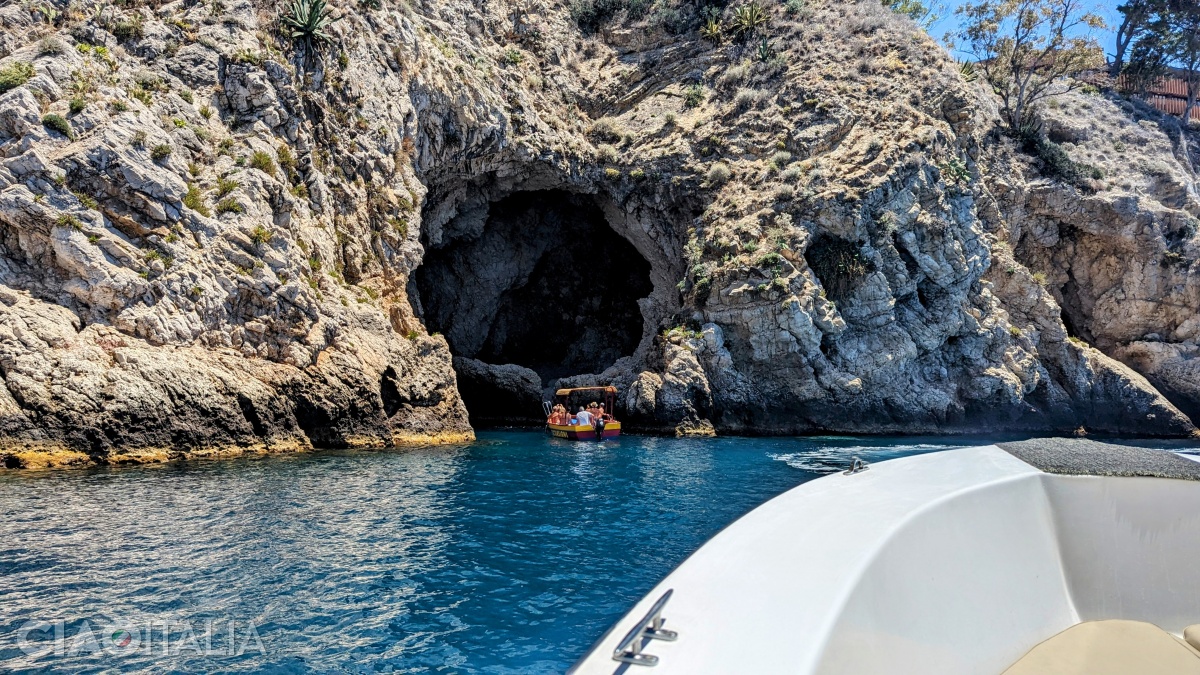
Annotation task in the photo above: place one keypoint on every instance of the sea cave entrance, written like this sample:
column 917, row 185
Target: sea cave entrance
column 537, row 279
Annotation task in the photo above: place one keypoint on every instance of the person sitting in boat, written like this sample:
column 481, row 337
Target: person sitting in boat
column 603, row 415
column 584, row 417
column 557, row 415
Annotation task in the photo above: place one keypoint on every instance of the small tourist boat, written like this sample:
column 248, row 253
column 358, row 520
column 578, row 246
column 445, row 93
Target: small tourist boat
column 1043, row 557
column 574, row 431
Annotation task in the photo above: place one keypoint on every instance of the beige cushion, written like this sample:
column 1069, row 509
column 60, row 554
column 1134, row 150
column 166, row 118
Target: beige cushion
column 1109, row 648
column 1192, row 635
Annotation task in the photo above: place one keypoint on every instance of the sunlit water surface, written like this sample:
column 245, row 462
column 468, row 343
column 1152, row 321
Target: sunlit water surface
column 509, row 555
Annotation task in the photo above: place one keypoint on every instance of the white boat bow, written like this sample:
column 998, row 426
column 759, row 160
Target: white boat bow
column 955, row 563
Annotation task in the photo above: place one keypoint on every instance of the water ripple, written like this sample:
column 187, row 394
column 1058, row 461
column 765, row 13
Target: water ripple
column 510, row 555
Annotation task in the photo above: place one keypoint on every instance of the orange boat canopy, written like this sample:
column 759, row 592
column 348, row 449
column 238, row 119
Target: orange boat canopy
column 566, row 392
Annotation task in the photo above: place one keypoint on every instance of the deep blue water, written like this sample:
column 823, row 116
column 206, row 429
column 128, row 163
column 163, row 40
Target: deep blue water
column 509, row 555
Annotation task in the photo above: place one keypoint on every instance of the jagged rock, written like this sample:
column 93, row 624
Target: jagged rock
column 245, row 249
column 505, row 393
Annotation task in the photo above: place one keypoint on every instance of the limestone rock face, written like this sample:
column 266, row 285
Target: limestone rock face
column 224, row 253
column 1121, row 263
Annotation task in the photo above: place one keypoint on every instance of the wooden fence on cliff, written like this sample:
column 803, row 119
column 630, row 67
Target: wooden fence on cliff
column 1168, row 95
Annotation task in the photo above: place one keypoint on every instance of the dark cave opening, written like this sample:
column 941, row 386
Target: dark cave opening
column 541, row 281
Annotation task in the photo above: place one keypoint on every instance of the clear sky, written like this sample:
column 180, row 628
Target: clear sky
column 1106, row 9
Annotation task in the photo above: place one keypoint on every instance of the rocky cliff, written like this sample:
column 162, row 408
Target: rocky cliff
column 214, row 242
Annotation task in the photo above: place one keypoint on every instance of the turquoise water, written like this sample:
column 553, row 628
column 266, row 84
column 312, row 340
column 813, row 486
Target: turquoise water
column 509, row 555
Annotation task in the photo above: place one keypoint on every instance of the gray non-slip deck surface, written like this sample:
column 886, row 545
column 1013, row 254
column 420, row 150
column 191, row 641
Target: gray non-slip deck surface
column 1081, row 457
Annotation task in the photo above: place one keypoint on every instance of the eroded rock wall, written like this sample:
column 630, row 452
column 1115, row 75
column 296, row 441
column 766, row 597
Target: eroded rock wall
column 1121, row 262
column 218, row 258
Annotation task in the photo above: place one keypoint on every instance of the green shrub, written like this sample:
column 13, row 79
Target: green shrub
column 229, row 205
column 68, row 220
column 512, row 57
column 160, row 152
column 954, row 171
column 55, row 122
column 142, row 95
column 225, row 186
column 612, row 174
column 187, row 95
column 195, row 201
column 606, row 129
column 260, row 235
column 606, row 152
column 746, row 99
column 77, row 105
column 693, row 96
column 206, row 112
column 718, row 173
column 128, row 29
column 150, row 81
column 791, row 174
column 287, row 161
column 138, row 140
column 118, row 106
column 249, row 56
column 15, row 74
column 50, row 46
column 1055, row 161
column 262, row 161
column 637, row 174
column 768, row 261
column 839, row 264
column 87, row 201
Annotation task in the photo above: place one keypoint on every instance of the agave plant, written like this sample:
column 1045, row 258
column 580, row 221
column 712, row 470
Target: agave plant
column 967, row 69
column 748, row 18
column 711, row 30
column 306, row 21
column 765, row 51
